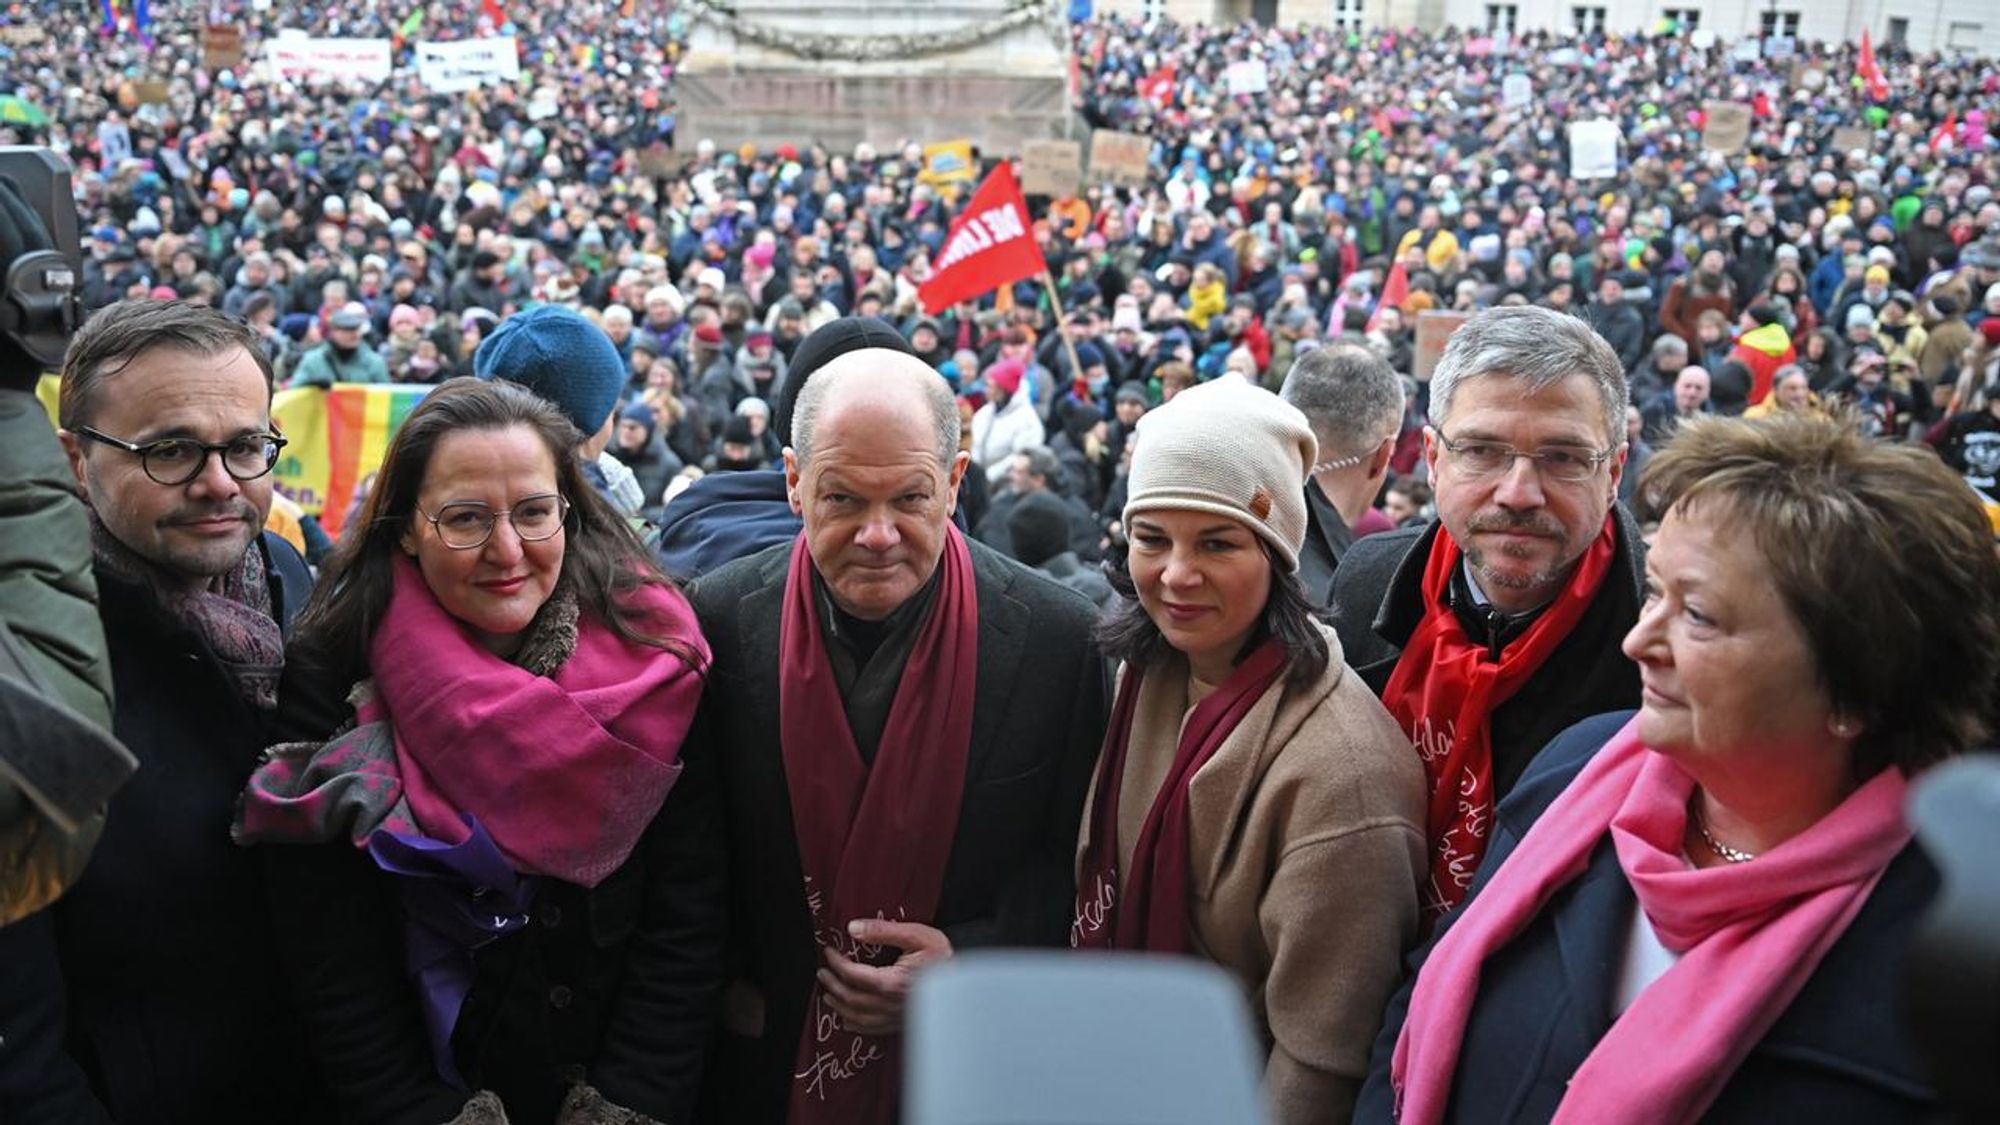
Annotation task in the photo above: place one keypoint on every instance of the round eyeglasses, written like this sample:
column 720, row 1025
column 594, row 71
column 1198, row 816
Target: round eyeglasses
column 1558, row 463
column 463, row 525
column 175, row 461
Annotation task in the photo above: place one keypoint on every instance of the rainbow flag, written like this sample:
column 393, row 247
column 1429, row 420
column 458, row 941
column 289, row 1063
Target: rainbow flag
column 335, row 438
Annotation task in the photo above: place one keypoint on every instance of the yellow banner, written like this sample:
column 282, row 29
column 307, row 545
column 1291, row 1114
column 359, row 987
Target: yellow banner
column 948, row 162
column 304, row 468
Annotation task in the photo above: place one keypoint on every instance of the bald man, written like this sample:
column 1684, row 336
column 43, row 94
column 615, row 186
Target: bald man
column 907, row 722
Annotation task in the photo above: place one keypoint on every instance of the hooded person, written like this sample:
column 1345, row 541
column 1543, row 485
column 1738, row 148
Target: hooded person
column 571, row 364
column 639, row 445
column 729, row 515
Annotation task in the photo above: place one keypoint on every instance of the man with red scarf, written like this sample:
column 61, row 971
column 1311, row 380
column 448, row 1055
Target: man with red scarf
column 907, row 723
column 1498, row 625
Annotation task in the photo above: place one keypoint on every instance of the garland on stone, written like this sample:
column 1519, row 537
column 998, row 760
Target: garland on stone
column 874, row 48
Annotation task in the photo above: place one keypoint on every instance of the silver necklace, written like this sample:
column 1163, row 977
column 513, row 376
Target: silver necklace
column 1728, row 854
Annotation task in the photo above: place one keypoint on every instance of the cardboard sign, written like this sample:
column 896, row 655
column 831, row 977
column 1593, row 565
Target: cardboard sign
column 114, row 143
column 1434, row 327
column 659, row 162
column 1593, row 149
column 1805, row 76
column 1051, row 167
column 467, row 64
column 947, row 162
column 22, row 34
column 1121, row 158
column 221, row 46
column 151, row 92
column 1847, row 138
column 1245, row 78
column 1517, row 91
column 1728, row 127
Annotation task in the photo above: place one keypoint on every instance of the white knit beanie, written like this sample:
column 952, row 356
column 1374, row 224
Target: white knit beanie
column 1232, row 449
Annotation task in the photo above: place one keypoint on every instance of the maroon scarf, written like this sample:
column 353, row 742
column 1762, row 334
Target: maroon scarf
column 873, row 838
column 1157, row 890
column 1443, row 693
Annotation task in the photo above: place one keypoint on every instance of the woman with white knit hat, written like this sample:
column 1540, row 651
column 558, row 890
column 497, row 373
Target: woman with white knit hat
column 1255, row 805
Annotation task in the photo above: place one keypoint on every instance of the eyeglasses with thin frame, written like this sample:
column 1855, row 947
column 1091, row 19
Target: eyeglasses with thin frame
column 464, row 525
column 1558, row 463
column 176, row 461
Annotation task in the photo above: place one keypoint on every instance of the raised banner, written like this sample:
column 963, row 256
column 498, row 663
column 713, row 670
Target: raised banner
column 990, row 245
column 467, row 64
column 334, row 439
column 298, row 57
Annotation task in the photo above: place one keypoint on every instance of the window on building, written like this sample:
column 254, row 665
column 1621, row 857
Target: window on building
column 1500, row 17
column 1347, row 14
column 1586, row 20
column 1772, row 22
column 1153, row 9
column 1899, row 31
column 1963, row 36
column 1687, row 19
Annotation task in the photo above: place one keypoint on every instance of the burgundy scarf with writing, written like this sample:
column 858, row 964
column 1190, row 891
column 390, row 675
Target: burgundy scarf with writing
column 873, row 837
column 1443, row 693
column 1153, row 914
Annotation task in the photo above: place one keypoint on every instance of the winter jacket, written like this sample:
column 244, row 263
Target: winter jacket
column 1763, row 350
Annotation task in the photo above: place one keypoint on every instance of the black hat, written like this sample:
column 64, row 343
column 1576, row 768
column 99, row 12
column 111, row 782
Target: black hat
column 828, row 342
column 737, row 430
column 1038, row 525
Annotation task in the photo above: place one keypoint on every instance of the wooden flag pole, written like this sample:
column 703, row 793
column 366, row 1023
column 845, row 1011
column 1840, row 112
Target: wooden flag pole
column 1069, row 346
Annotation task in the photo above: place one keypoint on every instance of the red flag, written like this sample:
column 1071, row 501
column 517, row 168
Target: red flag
column 1870, row 70
column 1945, row 132
column 493, row 11
column 1395, row 291
column 1158, row 87
column 990, row 245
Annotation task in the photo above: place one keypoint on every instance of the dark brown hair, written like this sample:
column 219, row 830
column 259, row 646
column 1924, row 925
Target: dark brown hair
column 602, row 559
column 118, row 334
column 1126, row 632
column 1883, row 556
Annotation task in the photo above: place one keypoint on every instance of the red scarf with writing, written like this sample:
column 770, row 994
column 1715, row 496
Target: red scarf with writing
column 1444, row 691
column 873, row 837
column 1154, row 913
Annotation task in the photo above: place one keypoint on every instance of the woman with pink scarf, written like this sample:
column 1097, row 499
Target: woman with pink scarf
column 1698, row 912
column 497, row 884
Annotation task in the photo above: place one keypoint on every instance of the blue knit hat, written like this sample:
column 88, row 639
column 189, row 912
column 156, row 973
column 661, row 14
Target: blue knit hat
column 563, row 358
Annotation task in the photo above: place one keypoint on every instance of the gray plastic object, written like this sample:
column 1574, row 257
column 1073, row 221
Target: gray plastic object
column 1062, row 1038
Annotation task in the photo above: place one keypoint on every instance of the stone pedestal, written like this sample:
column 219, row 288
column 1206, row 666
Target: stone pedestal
column 843, row 71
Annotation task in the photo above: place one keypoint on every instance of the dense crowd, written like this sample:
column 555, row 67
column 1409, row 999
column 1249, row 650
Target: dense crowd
column 1517, row 719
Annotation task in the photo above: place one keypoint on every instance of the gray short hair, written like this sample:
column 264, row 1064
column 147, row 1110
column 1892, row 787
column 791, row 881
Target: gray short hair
column 938, row 403
column 1351, row 398
column 1537, row 346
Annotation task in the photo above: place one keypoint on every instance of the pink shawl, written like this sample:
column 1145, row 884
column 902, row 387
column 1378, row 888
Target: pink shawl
column 564, row 772
column 1749, row 935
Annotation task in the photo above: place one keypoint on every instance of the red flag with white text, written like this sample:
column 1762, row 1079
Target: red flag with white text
column 991, row 244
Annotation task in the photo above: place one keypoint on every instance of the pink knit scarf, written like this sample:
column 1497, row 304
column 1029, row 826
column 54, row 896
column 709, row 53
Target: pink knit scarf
column 565, row 771
column 1749, row 936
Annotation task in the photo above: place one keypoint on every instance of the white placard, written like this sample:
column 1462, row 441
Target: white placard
column 467, row 64
column 1249, row 77
column 1517, row 91
column 365, row 60
column 114, row 144
column 1593, row 149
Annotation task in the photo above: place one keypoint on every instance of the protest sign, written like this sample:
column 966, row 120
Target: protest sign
column 1593, row 149
column 1517, row 91
column 334, row 438
column 467, row 64
column 114, row 144
column 1434, row 327
column 221, row 46
column 1847, row 138
column 1121, row 158
column 1250, row 77
column 659, row 162
column 151, row 92
column 22, row 34
column 1727, row 128
column 947, row 162
column 1051, row 167
column 297, row 58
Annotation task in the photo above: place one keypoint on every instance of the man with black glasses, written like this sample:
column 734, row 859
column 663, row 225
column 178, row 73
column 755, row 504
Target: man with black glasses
column 1496, row 626
column 147, row 994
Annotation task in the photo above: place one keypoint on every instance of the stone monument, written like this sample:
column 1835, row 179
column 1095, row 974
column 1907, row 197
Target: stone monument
column 844, row 71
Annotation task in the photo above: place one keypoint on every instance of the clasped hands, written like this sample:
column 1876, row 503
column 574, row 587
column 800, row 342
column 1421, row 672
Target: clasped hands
column 869, row 999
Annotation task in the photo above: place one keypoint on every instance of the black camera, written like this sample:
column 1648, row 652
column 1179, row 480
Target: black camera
column 42, row 252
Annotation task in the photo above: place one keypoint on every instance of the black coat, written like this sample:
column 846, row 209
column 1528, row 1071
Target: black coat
column 161, row 958
column 1378, row 602
column 613, row 985
column 1838, row 1054
column 1038, row 722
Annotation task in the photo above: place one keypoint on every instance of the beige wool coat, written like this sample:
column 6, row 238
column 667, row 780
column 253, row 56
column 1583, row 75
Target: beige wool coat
column 1307, row 852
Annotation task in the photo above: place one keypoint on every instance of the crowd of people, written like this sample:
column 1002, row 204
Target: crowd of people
column 726, row 638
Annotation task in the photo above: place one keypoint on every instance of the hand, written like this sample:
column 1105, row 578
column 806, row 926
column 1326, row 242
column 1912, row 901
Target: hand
column 869, row 1000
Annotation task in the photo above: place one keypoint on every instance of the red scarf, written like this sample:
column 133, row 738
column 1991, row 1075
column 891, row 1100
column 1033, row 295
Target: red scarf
column 1444, row 691
column 1749, row 936
column 1157, row 890
column 873, row 838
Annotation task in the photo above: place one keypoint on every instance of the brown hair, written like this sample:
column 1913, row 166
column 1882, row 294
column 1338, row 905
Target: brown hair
column 602, row 559
column 1882, row 555
column 118, row 334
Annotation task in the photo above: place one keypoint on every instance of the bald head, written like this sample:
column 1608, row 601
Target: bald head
column 875, row 388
